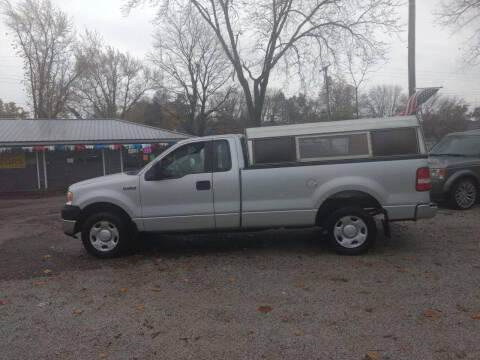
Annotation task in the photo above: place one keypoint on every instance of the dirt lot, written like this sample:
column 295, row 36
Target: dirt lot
column 270, row 295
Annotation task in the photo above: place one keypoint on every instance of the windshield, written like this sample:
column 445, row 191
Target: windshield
column 458, row 145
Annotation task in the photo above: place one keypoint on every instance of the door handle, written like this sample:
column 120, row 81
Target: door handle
column 203, row 185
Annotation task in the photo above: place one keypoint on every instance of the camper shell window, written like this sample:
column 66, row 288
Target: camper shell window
column 320, row 147
column 275, row 150
column 395, row 142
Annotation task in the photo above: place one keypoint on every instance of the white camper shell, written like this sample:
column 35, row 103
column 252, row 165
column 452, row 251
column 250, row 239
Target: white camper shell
column 335, row 140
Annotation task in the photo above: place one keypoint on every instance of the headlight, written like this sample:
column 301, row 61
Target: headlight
column 69, row 197
column 438, row 174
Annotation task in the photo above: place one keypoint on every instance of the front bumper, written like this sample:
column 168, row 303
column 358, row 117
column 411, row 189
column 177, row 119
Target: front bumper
column 425, row 211
column 70, row 215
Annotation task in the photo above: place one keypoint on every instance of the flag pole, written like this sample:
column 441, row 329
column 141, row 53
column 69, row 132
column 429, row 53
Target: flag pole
column 411, row 48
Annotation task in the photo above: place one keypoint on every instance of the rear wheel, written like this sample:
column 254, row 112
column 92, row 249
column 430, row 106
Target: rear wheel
column 105, row 235
column 464, row 194
column 351, row 230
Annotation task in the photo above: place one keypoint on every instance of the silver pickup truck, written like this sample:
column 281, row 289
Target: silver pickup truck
column 335, row 175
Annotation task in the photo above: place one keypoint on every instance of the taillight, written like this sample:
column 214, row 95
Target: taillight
column 423, row 179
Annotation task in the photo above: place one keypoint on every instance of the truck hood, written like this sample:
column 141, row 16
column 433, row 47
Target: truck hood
column 102, row 180
column 452, row 161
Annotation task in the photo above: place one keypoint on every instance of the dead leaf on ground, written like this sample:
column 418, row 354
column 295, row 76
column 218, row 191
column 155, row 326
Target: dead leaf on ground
column 88, row 302
column 478, row 297
column 336, row 278
column 297, row 333
column 475, row 316
column 425, row 276
column 158, row 260
column 232, row 280
column 217, row 290
column 185, row 280
column 39, row 283
column 409, row 258
column 370, row 355
column 156, row 289
column 77, row 311
column 402, row 271
column 406, row 348
column 47, row 256
column 84, row 328
column 140, row 307
column 47, row 271
column 265, row 309
column 285, row 319
column 3, row 302
column 123, row 290
column 54, row 278
column 298, row 286
column 191, row 266
column 103, row 355
column 369, row 265
column 431, row 314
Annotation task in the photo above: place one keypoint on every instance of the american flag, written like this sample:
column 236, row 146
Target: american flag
column 418, row 99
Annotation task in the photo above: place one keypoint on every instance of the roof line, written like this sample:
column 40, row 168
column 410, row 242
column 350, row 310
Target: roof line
column 152, row 127
column 105, row 119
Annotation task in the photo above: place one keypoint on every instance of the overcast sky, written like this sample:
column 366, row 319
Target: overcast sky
column 438, row 51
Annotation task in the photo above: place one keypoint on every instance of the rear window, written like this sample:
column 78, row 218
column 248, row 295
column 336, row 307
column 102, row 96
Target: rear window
column 277, row 150
column 318, row 147
column 395, row 142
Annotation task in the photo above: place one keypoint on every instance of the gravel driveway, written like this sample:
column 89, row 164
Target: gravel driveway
column 268, row 295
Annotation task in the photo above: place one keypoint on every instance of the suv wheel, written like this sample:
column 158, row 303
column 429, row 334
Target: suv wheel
column 105, row 235
column 464, row 194
column 351, row 231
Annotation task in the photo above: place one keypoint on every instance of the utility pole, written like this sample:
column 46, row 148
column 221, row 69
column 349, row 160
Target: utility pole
column 327, row 92
column 411, row 48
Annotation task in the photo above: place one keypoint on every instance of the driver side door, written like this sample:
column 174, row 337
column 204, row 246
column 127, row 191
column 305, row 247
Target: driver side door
column 177, row 193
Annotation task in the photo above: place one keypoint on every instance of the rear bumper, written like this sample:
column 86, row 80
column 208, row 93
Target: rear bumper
column 70, row 215
column 425, row 211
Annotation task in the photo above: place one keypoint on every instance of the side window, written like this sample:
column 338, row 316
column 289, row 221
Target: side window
column 395, row 142
column 337, row 146
column 188, row 159
column 221, row 153
column 276, row 150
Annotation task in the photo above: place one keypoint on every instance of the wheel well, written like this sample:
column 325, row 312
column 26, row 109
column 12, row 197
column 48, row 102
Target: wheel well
column 467, row 176
column 108, row 207
column 348, row 198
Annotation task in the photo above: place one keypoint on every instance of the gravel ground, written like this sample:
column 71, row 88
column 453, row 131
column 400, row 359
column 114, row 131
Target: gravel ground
column 268, row 295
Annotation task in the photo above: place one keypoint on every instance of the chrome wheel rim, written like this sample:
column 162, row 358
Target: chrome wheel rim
column 465, row 195
column 104, row 236
column 350, row 232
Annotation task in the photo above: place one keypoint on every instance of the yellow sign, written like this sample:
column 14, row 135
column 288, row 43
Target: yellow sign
column 13, row 161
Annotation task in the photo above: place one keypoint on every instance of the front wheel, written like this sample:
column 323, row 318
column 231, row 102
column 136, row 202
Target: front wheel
column 105, row 235
column 351, row 231
column 463, row 194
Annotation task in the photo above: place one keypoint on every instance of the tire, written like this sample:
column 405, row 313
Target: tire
column 106, row 235
column 464, row 194
column 351, row 231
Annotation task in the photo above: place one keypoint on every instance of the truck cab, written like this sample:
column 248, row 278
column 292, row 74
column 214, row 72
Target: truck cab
column 336, row 176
